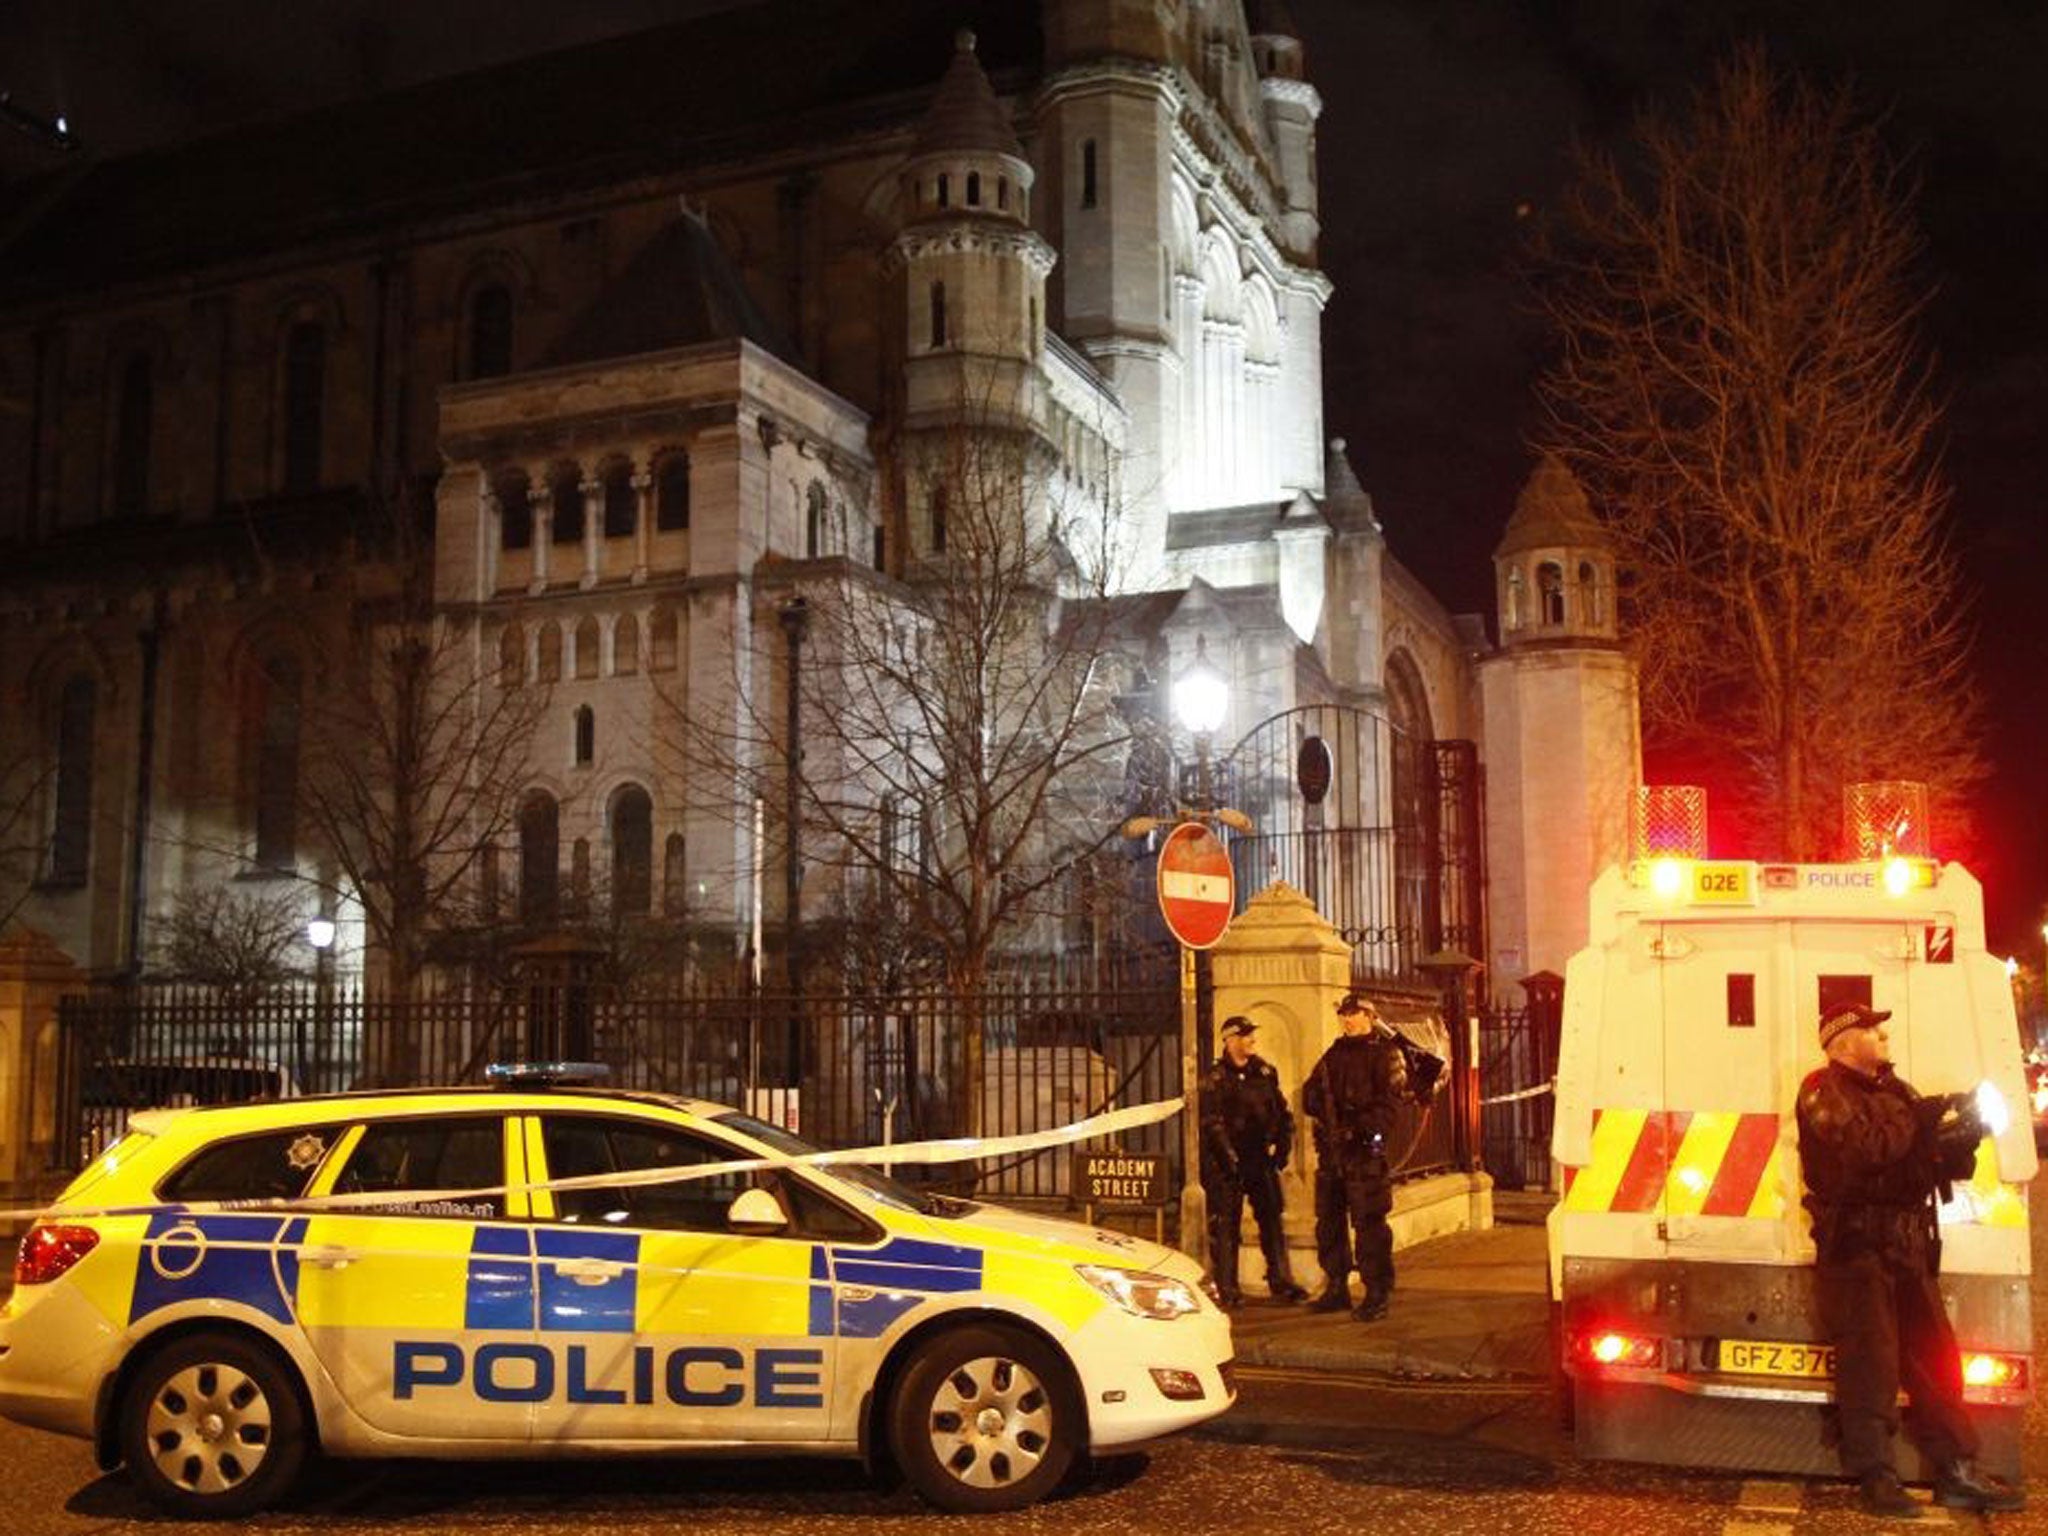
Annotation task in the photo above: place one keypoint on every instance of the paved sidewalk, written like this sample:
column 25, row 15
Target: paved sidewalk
column 1469, row 1306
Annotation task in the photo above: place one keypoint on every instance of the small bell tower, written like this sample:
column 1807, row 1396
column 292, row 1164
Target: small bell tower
column 1562, row 739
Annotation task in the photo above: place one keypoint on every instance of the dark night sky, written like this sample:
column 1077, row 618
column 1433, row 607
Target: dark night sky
column 1446, row 122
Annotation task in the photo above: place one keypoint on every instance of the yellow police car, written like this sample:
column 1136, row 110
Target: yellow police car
column 538, row 1270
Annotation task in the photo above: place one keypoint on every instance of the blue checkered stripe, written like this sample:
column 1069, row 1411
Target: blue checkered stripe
column 896, row 1277
column 261, row 1271
column 511, row 1282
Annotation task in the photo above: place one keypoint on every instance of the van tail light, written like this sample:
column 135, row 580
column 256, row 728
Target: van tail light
column 2001, row 1372
column 49, row 1251
column 1611, row 1347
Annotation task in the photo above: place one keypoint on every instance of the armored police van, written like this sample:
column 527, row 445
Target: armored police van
column 1681, row 1256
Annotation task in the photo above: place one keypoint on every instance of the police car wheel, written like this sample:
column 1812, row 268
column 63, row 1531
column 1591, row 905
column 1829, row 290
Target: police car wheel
column 211, row 1427
column 984, row 1419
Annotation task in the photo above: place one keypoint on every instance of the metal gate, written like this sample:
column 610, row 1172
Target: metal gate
column 1378, row 828
column 1517, row 1077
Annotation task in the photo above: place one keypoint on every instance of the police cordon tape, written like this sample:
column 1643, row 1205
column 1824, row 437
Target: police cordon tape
column 958, row 1149
column 1521, row 1093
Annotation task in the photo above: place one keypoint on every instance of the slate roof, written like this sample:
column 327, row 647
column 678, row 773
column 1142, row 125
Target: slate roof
column 785, row 72
column 677, row 291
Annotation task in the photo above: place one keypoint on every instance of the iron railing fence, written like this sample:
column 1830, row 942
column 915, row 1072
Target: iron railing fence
column 844, row 1069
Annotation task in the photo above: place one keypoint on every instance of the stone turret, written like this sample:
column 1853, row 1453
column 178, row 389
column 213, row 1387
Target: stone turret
column 1292, row 106
column 1553, row 567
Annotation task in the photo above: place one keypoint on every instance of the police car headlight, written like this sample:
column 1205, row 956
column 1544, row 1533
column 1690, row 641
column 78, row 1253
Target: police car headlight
column 1140, row 1292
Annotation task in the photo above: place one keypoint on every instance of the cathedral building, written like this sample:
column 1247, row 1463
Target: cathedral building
column 660, row 331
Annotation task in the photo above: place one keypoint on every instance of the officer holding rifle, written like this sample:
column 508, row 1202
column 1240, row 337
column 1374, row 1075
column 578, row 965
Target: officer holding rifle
column 1875, row 1154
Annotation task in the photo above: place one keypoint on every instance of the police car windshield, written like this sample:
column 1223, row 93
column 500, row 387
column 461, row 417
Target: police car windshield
column 869, row 1181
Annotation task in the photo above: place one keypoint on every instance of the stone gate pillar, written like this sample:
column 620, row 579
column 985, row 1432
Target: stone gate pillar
column 1283, row 966
column 34, row 975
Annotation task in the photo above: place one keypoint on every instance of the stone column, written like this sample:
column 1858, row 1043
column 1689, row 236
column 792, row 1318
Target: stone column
column 541, row 496
column 34, row 975
column 593, row 531
column 643, row 518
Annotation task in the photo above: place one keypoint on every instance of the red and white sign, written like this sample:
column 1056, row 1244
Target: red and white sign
column 1197, row 891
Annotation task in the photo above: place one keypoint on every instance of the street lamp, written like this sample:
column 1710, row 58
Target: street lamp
column 1201, row 694
column 320, row 933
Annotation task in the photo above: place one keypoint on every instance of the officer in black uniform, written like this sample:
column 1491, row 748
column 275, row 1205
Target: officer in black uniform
column 1247, row 1134
column 1874, row 1152
column 1354, row 1095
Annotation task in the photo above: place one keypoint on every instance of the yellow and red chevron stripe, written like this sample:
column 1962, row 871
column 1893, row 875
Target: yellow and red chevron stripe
column 1680, row 1163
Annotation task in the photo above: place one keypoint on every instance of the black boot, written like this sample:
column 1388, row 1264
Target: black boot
column 1962, row 1485
column 1882, row 1495
column 1333, row 1298
column 1373, row 1307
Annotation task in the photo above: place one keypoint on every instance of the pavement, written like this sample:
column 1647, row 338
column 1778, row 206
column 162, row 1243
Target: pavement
column 1470, row 1306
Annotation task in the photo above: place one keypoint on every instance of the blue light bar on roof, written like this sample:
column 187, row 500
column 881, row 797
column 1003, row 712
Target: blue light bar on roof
column 546, row 1074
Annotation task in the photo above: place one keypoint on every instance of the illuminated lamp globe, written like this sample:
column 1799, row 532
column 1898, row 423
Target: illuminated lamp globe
column 320, row 933
column 1201, row 693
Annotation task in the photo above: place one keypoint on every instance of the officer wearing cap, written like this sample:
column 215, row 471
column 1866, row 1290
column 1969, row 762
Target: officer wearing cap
column 1353, row 1097
column 1247, row 1134
column 1873, row 1152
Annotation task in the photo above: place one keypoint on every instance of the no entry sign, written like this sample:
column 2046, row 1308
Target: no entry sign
column 1196, row 889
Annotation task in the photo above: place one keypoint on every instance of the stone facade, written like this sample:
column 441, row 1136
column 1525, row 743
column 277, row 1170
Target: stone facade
column 649, row 381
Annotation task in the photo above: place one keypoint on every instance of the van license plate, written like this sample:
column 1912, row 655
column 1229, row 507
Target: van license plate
column 1766, row 1357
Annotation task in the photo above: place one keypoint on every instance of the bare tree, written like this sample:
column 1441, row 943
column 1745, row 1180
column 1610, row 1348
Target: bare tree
column 242, row 942
column 414, row 746
column 1740, row 390
column 961, row 750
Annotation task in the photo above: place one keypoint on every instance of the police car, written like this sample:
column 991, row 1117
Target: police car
column 535, row 1269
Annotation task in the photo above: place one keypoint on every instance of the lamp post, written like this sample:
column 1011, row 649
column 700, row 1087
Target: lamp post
column 796, row 622
column 320, row 934
column 1200, row 696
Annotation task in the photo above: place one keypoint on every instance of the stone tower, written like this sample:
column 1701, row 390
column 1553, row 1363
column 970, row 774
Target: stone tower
column 974, row 287
column 1564, row 752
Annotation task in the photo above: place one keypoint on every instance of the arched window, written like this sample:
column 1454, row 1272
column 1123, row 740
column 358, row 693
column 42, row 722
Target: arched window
column 540, row 859
column 515, row 512
column 586, row 648
column 586, row 735
column 1087, row 173
column 490, row 331
column 938, row 510
column 632, row 826
column 675, row 895
column 71, row 827
column 132, row 412
column 938, row 314
column 1003, row 192
column 626, row 646
column 305, row 396
column 814, row 521
column 550, row 653
column 565, row 488
column 621, row 511
column 974, row 189
column 881, row 547
column 945, row 190
column 662, row 642
column 672, row 494
column 512, row 657
column 1589, row 592
column 1550, row 591
column 274, row 719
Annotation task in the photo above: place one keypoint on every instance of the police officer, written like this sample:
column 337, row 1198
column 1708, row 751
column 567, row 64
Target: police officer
column 1353, row 1096
column 1874, row 1152
column 1247, row 1134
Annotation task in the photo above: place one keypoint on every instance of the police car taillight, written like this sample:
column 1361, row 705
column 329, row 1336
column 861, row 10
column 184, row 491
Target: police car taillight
column 49, row 1251
column 1983, row 1369
column 1608, row 1347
